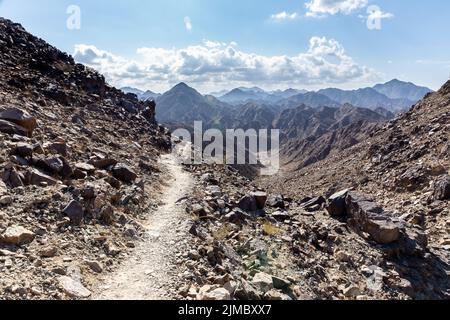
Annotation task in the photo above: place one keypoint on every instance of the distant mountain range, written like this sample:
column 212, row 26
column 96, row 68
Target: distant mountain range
column 392, row 97
column 312, row 124
column 244, row 95
column 142, row 95
column 396, row 89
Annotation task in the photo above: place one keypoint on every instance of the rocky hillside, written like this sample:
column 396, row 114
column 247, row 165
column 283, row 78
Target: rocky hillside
column 309, row 135
column 77, row 166
column 404, row 167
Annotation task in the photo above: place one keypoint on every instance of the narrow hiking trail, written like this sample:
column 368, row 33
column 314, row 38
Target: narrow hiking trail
column 150, row 273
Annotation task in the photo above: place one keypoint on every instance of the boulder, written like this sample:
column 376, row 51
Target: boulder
column 263, row 282
column 383, row 231
column 17, row 235
column 281, row 215
column 336, row 204
column 78, row 174
column 214, row 191
column 351, row 292
column 129, row 106
column 73, row 288
column 276, row 201
column 199, row 210
column 236, row 216
column 246, row 291
column 6, row 200
column 37, row 178
column 102, row 163
column 107, row 214
column 74, row 210
column 12, row 128
column 280, row 283
column 95, row 266
column 219, row 294
column 3, row 189
column 20, row 118
column 442, row 188
column 52, row 165
column 275, row 295
column 22, row 149
column 48, row 252
column 123, row 173
column 248, row 204
column 314, row 204
column 364, row 215
column 66, row 170
column 59, row 147
column 12, row 178
column 86, row 167
column 260, row 198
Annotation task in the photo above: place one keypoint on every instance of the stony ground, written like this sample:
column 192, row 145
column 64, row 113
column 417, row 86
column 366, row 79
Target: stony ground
column 255, row 245
column 151, row 273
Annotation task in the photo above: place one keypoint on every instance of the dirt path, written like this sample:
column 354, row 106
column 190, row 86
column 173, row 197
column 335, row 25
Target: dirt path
column 150, row 273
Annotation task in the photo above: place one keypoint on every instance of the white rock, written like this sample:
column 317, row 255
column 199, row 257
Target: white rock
column 6, row 200
column 219, row 294
column 263, row 281
column 352, row 292
column 3, row 189
column 17, row 235
column 73, row 288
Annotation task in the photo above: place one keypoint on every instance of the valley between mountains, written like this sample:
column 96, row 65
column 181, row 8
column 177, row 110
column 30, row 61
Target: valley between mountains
column 93, row 204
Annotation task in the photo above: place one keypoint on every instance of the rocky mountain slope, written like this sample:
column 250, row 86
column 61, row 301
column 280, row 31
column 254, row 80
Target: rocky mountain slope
column 183, row 105
column 310, row 135
column 404, row 167
column 77, row 167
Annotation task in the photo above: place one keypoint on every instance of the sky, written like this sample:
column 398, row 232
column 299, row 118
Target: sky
column 216, row 45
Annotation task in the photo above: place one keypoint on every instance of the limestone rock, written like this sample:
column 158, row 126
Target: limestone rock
column 17, row 235
column 263, row 282
column 73, row 288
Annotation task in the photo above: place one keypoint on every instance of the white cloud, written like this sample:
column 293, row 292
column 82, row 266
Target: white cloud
column 283, row 16
column 320, row 8
column 215, row 65
column 188, row 23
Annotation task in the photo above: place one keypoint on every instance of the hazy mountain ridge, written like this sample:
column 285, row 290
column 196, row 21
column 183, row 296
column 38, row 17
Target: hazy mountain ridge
column 142, row 95
column 396, row 89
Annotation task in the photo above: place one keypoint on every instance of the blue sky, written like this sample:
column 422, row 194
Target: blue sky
column 272, row 43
